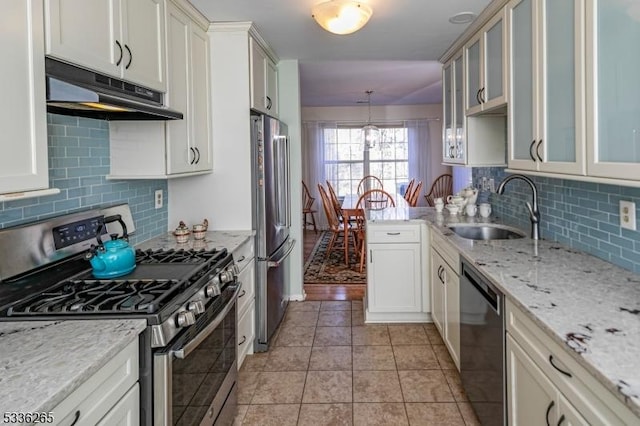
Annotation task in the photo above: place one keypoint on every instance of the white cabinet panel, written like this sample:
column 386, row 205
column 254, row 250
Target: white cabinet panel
column 121, row 38
column 23, row 144
column 394, row 278
column 126, row 412
column 264, row 80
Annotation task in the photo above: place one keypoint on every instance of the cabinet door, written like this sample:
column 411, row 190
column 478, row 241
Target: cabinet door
column 448, row 145
column 272, row 87
column 179, row 156
column 126, row 412
column 613, row 89
column 437, row 291
column 23, row 163
column 452, row 313
column 86, row 33
column 522, row 114
column 258, row 82
column 473, row 79
column 459, row 118
column 493, row 90
column 561, row 138
column 143, row 36
column 394, row 278
column 568, row 415
column 201, row 99
column 531, row 397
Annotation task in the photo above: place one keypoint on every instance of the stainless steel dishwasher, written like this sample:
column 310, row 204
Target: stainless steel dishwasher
column 482, row 346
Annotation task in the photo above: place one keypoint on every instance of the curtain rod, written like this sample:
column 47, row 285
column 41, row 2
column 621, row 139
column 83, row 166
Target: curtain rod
column 372, row 121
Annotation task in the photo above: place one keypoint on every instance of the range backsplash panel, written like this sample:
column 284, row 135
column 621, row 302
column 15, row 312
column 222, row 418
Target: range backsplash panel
column 78, row 165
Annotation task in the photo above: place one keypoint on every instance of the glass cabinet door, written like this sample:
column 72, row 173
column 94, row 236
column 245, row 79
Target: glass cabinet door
column 522, row 119
column 613, row 89
column 447, row 113
column 561, row 93
column 494, row 63
column 458, row 102
column 472, row 53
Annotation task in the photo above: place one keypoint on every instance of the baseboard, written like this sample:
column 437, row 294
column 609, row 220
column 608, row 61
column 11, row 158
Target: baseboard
column 297, row 297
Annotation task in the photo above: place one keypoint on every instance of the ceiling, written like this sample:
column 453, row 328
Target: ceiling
column 395, row 54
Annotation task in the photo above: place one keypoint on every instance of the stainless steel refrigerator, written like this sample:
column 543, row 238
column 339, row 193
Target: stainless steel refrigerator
column 271, row 220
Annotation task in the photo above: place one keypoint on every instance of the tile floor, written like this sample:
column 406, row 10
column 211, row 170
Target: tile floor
column 326, row 367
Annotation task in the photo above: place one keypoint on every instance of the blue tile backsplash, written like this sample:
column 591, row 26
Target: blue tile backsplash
column 582, row 215
column 78, row 165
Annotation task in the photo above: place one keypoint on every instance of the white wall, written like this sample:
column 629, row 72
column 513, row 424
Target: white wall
column 289, row 113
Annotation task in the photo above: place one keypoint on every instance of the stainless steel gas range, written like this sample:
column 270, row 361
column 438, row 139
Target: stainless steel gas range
column 188, row 351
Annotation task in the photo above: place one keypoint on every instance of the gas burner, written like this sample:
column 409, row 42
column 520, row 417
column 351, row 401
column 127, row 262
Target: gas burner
column 175, row 256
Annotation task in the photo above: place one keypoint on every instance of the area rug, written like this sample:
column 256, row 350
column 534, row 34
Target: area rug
column 331, row 269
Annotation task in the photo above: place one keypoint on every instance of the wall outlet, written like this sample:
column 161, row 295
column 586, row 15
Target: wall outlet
column 628, row 215
column 492, row 185
column 159, row 199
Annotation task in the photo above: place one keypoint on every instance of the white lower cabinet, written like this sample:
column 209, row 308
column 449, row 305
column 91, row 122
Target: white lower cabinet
column 396, row 277
column 246, row 307
column 445, row 295
column 545, row 385
column 105, row 395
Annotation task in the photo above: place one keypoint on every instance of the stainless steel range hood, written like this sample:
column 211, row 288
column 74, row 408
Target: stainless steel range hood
column 76, row 91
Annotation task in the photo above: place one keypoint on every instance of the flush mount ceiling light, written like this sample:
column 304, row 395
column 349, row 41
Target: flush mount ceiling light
column 341, row 16
column 462, row 18
column 371, row 133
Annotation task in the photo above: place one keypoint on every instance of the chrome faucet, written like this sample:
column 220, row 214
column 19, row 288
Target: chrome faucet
column 534, row 213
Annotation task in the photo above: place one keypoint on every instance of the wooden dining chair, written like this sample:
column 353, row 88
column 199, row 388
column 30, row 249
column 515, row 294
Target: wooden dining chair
column 409, row 191
column 335, row 226
column 359, row 234
column 369, row 182
column 334, row 201
column 413, row 199
column 307, row 208
column 441, row 188
column 375, row 199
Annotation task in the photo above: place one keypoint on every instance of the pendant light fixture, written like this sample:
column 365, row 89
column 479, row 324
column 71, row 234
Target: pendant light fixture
column 370, row 133
column 341, row 16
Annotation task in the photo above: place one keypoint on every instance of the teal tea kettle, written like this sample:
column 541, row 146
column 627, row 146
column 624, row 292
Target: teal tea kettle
column 113, row 258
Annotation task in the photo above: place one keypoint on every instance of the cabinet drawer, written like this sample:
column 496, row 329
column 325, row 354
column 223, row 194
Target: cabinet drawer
column 95, row 397
column 247, row 293
column 126, row 412
column 246, row 333
column 393, row 234
column 243, row 255
column 446, row 250
column 592, row 400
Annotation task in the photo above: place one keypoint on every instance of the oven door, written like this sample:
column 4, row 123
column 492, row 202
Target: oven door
column 194, row 377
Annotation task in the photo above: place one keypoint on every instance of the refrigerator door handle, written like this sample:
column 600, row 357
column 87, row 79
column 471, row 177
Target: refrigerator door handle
column 276, row 263
column 288, row 183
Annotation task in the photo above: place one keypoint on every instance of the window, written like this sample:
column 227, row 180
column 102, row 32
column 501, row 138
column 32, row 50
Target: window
column 346, row 162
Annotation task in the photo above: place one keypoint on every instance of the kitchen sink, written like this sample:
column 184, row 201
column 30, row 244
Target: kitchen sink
column 487, row 232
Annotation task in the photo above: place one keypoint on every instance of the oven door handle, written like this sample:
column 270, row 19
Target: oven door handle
column 184, row 351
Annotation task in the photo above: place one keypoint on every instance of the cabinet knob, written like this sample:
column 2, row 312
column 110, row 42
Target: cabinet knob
column 538, row 150
column 130, row 57
column 533, row 142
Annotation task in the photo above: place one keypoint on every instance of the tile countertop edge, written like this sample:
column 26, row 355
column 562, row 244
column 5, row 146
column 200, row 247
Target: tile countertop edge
column 230, row 240
column 56, row 378
column 528, row 257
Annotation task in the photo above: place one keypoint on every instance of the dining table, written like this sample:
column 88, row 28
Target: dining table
column 350, row 210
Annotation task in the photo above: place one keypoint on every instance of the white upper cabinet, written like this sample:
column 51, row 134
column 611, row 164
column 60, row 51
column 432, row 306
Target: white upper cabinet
column 470, row 141
column 173, row 148
column 546, row 102
column 121, row 38
column 486, row 67
column 613, row 89
column 264, row 80
column 23, row 163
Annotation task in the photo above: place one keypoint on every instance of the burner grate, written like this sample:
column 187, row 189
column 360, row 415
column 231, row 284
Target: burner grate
column 175, row 256
column 83, row 296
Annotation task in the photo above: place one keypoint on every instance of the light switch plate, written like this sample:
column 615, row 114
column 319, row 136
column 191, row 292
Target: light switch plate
column 628, row 215
column 158, row 198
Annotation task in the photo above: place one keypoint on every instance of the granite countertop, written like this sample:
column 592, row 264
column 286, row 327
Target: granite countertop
column 230, row 240
column 43, row 362
column 589, row 306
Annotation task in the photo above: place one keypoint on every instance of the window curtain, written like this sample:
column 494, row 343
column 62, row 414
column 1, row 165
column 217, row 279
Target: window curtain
column 419, row 149
column 313, row 170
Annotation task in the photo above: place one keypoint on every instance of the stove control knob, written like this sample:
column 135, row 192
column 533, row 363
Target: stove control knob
column 225, row 277
column 185, row 318
column 213, row 290
column 197, row 307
